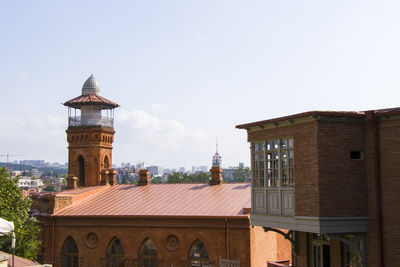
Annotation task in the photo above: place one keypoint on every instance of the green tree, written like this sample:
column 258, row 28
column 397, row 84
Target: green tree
column 50, row 188
column 156, row 180
column 241, row 175
column 14, row 208
column 175, row 178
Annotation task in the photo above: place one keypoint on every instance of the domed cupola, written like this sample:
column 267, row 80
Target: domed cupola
column 91, row 87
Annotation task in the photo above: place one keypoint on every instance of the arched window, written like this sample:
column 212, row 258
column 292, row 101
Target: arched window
column 81, row 164
column 198, row 255
column 147, row 254
column 106, row 162
column 115, row 253
column 69, row 253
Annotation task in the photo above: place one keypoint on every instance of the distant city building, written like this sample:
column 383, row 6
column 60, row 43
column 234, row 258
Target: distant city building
column 155, row 170
column 16, row 173
column 139, row 165
column 29, row 182
column 125, row 174
column 227, row 173
column 203, row 168
column 182, row 169
column 36, row 173
column 32, row 162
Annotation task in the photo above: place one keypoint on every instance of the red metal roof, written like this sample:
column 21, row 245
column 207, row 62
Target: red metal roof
column 225, row 200
column 93, row 99
column 356, row 114
column 18, row 261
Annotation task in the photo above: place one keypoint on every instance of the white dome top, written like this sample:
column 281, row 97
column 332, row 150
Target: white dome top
column 91, row 87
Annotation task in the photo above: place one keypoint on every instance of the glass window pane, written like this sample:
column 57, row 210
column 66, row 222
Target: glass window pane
column 284, row 143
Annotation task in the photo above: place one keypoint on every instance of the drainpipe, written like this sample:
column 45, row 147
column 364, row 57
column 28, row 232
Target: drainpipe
column 377, row 173
column 52, row 242
column 227, row 237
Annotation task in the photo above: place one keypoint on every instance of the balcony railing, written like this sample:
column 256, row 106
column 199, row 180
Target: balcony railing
column 90, row 120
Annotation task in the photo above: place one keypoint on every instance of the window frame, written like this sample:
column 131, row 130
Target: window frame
column 277, row 170
column 203, row 260
column 153, row 258
column 72, row 255
column 115, row 260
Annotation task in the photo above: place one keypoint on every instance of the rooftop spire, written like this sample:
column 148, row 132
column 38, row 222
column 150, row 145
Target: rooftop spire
column 216, row 161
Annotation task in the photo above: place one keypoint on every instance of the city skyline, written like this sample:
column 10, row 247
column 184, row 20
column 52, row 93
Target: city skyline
column 186, row 73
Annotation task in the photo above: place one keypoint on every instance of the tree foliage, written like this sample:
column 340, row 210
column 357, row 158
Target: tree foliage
column 241, row 175
column 178, row 177
column 14, row 208
column 156, row 180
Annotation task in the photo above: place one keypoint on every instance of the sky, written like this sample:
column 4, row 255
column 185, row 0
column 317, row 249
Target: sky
column 186, row 72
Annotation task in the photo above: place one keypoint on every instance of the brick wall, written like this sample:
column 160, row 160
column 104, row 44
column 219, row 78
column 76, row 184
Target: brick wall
column 341, row 180
column 133, row 231
column 278, row 248
column 93, row 144
column 389, row 137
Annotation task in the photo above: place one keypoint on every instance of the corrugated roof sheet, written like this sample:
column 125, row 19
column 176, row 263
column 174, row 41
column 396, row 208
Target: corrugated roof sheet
column 228, row 199
column 18, row 261
column 77, row 102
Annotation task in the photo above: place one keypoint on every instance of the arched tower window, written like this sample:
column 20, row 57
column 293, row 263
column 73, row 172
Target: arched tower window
column 115, row 253
column 148, row 254
column 81, row 166
column 69, row 253
column 198, row 255
column 106, row 162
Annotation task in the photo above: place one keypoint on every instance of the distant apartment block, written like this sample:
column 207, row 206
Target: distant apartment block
column 155, row 170
column 28, row 182
column 227, row 173
column 32, row 162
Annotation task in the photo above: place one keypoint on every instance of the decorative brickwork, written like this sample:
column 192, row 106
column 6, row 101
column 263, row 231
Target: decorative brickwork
column 90, row 153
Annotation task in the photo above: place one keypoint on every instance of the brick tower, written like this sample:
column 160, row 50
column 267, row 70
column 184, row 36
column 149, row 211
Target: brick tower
column 90, row 135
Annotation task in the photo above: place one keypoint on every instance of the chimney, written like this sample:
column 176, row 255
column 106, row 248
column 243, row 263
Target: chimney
column 216, row 175
column 108, row 177
column 72, row 181
column 144, row 177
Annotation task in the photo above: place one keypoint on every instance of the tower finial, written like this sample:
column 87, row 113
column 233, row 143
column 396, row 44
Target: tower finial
column 216, row 144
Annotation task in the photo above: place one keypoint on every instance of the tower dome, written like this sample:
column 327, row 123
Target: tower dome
column 90, row 87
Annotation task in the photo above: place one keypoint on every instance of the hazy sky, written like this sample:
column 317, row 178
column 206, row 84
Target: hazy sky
column 186, row 72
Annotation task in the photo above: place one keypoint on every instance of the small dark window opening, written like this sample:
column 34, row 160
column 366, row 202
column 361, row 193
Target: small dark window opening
column 356, row 154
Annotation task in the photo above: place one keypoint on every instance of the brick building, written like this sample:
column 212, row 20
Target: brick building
column 100, row 223
column 332, row 180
